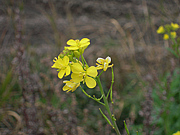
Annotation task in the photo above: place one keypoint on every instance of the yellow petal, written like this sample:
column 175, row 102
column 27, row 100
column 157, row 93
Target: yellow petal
column 66, row 60
column 76, row 77
column 100, row 60
column 175, row 26
column 92, row 71
column 173, row 34
column 71, row 42
column 75, row 87
column 84, row 40
column 58, row 64
column 105, row 66
column 99, row 67
column 72, row 48
column 90, row 82
column 68, row 70
column 54, row 60
column 166, row 37
column 61, row 74
column 76, row 68
column 85, row 44
column 160, row 30
column 66, row 81
column 65, row 88
column 111, row 65
column 177, row 133
column 108, row 59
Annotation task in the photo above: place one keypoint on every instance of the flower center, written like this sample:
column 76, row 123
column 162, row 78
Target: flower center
column 78, row 43
column 62, row 67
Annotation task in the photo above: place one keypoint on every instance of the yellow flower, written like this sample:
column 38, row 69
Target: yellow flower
column 173, row 34
column 160, row 30
column 103, row 63
column 79, row 75
column 177, row 133
column 62, row 65
column 76, row 44
column 174, row 26
column 166, row 37
column 70, row 85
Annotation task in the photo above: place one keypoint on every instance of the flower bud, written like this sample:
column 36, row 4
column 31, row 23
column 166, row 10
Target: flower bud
column 161, row 30
column 173, row 34
column 174, row 26
column 77, row 54
column 166, row 37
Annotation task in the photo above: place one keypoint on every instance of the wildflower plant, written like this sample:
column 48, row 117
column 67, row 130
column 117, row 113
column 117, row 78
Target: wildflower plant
column 169, row 31
column 71, row 62
column 167, row 124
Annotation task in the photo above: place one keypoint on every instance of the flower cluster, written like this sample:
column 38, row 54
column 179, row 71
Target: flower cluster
column 68, row 62
column 169, row 30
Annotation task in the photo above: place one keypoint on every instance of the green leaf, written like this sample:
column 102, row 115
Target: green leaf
column 6, row 88
column 6, row 82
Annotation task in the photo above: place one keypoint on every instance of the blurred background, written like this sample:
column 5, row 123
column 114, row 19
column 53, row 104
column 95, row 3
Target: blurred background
column 146, row 91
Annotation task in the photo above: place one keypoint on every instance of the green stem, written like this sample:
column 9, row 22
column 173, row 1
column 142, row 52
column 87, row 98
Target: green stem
column 175, row 43
column 110, row 90
column 100, row 73
column 108, row 108
column 98, row 100
column 84, row 60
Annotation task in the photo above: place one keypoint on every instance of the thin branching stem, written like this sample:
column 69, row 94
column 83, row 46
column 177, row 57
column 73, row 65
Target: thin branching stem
column 94, row 98
column 108, row 108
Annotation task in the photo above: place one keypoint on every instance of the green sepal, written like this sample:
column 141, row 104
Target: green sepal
column 81, row 50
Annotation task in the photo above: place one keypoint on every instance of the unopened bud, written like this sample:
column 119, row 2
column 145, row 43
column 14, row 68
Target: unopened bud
column 77, row 54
